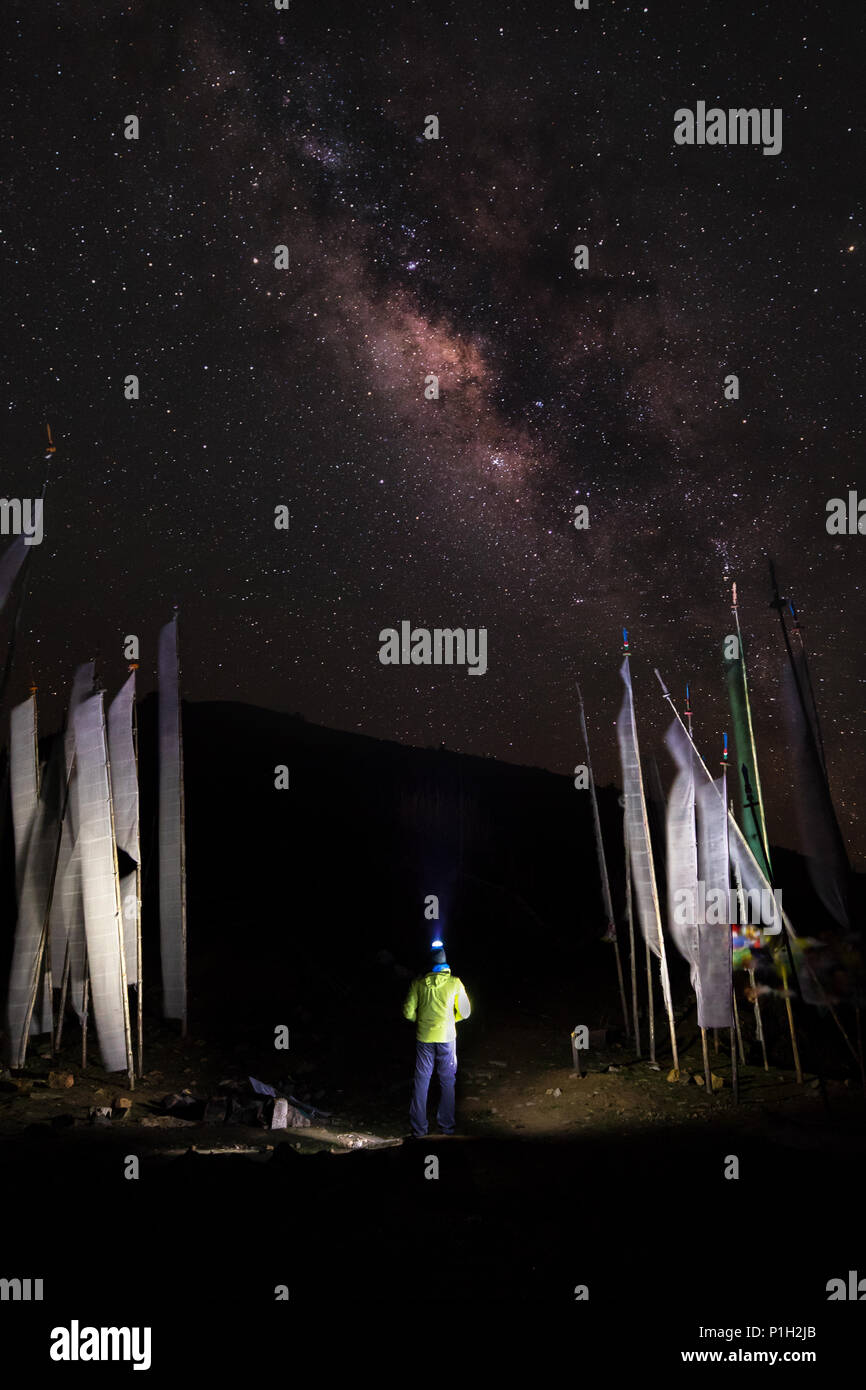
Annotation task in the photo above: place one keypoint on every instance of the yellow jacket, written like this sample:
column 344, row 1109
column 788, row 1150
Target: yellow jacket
column 437, row 1001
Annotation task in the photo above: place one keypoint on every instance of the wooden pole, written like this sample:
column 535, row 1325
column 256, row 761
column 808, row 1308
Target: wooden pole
column 84, row 1018
column 124, row 991
column 798, row 1069
column 651, row 1005
column 738, row 1029
column 633, row 957
column 602, row 865
column 759, row 1023
column 139, row 987
column 621, row 986
column 708, row 1080
column 48, row 993
column 741, row 917
column 729, row 938
column 64, row 986
column 184, row 1020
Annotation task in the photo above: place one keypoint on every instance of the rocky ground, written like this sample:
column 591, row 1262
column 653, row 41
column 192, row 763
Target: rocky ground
column 614, row 1181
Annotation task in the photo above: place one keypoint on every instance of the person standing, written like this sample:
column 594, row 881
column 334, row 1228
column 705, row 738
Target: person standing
column 436, row 1002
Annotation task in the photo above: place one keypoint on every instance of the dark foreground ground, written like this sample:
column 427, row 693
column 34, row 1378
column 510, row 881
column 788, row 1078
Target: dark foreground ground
column 616, row 1184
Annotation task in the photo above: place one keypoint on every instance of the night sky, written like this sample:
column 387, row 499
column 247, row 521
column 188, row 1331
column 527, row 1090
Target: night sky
column 411, row 256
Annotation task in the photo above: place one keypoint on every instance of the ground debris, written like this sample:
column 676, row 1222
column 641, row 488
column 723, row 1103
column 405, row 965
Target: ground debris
column 60, row 1080
column 363, row 1141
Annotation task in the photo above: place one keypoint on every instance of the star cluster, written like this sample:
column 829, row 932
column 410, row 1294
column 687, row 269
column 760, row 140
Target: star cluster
column 454, row 258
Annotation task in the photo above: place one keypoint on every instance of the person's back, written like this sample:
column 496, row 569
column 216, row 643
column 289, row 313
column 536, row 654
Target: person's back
column 436, row 1002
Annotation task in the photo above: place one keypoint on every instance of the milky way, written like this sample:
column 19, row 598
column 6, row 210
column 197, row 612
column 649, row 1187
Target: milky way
column 410, row 257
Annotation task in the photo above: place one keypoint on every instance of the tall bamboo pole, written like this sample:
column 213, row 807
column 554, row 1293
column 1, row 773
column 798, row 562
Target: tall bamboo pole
column 64, row 988
column 139, row 988
column 124, row 990
column 758, row 810
column 184, row 1020
column 798, row 1069
column 708, row 1080
column 738, row 883
column 738, row 1028
column 708, row 1077
column 651, row 1016
column 734, row 1068
column 759, row 1026
column 759, row 1022
column 632, row 955
column 85, row 1011
column 602, row 866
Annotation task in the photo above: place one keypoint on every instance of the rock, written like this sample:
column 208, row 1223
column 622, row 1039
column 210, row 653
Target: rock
column 17, row 1084
column 100, row 1115
column 122, row 1103
column 185, row 1104
column 613, row 1068
column 280, row 1115
column 673, row 1075
column 716, row 1081
column 60, row 1080
column 557, row 1091
column 699, row 1080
